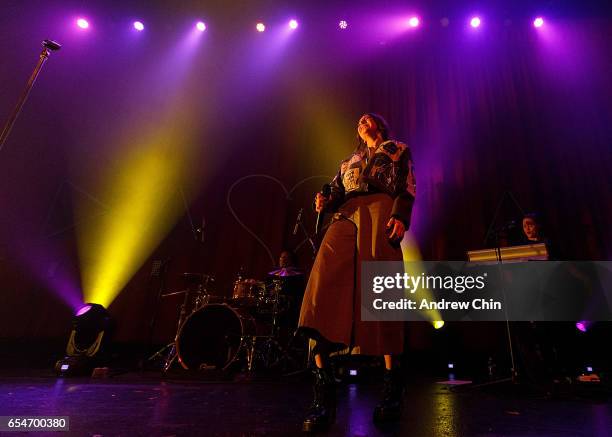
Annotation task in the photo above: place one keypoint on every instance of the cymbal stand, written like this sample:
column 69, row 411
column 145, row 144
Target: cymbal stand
column 255, row 348
column 171, row 347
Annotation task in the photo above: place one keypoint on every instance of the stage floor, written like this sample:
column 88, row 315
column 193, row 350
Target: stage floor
column 146, row 405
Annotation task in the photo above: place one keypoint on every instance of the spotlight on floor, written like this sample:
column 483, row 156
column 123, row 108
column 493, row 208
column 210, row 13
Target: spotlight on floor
column 82, row 23
column 90, row 329
column 583, row 325
column 414, row 22
column 260, row 27
column 201, row 26
column 475, row 22
column 438, row 324
column 293, row 24
column 138, row 26
column 342, row 24
column 538, row 22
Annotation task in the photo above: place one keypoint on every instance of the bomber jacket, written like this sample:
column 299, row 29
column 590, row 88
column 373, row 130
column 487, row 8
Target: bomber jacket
column 389, row 170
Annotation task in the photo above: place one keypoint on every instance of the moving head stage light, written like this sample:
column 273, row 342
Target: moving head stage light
column 90, row 330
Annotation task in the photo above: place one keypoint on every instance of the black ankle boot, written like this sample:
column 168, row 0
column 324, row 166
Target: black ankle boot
column 391, row 405
column 322, row 412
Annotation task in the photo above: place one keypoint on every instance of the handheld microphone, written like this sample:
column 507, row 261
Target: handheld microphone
column 297, row 221
column 325, row 192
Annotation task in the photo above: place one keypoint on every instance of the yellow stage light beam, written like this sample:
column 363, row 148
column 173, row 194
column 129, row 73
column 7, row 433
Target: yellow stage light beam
column 143, row 191
column 413, row 266
column 328, row 132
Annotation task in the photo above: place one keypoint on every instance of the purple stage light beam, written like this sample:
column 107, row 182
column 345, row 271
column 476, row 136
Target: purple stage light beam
column 293, row 24
column 538, row 22
column 138, row 26
column 475, row 22
column 201, row 26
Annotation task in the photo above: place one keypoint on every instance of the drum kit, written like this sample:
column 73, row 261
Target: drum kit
column 252, row 329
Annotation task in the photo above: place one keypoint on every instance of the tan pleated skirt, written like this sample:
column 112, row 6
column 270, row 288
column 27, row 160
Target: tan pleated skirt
column 332, row 301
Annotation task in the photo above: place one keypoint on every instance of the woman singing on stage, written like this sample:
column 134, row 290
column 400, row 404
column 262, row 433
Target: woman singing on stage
column 371, row 200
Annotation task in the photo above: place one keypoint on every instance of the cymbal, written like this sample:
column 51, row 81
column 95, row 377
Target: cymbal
column 286, row 271
column 198, row 277
column 174, row 293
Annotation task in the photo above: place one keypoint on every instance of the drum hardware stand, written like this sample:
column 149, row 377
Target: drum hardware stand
column 254, row 346
column 285, row 356
column 171, row 347
column 159, row 269
column 272, row 339
column 202, row 295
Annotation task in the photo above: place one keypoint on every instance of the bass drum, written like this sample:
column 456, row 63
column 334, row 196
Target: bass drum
column 213, row 336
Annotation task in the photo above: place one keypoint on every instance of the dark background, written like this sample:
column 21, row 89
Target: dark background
column 504, row 108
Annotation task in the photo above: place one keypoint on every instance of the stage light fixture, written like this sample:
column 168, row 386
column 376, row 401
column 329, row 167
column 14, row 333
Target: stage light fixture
column 342, row 24
column 414, row 22
column 138, row 25
column 82, row 23
column 293, row 24
column 451, row 365
column 538, row 22
column 353, row 372
column 438, row 324
column 83, row 310
column 260, row 27
column 90, row 326
column 583, row 325
column 475, row 22
column 201, row 26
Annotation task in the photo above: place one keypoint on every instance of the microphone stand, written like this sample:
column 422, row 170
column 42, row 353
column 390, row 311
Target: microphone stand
column 313, row 246
column 492, row 231
column 48, row 47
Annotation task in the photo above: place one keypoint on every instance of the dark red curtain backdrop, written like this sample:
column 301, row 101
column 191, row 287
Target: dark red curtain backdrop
column 509, row 111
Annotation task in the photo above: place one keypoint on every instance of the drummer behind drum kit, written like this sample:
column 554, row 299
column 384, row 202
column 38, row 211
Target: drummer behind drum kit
column 253, row 328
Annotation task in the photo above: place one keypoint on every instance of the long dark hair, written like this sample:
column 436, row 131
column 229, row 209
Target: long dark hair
column 382, row 126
